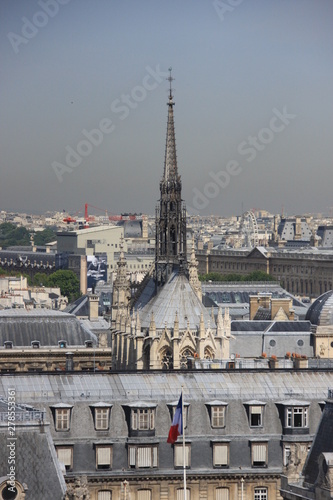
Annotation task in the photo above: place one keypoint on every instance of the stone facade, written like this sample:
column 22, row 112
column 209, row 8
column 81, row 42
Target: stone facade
column 307, row 273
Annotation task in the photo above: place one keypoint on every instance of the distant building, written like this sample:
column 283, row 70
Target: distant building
column 305, row 272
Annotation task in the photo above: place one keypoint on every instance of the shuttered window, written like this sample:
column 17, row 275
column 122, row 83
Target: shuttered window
column 259, row 454
column 180, row 494
column 144, row 495
column 222, row 494
column 103, row 457
column 142, row 456
column 220, row 454
column 65, row 456
column 104, row 495
column 256, row 413
column 143, row 419
column 178, row 455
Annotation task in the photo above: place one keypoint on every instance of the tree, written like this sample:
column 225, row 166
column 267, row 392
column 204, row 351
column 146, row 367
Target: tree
column 11, row 235
column 68, row 283
column 45, row 236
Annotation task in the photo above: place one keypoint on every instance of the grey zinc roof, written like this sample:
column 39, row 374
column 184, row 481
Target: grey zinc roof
column 155, row 386
column 176, row 296
column 48, row 327
column 321, row 311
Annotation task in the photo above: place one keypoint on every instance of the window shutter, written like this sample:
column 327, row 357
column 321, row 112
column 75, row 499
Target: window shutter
column 144, row 495
column 178, row 451
column 178, row 455
column 154, row 456
column 65, row 456
column 222, row 494
column 256, row 410
column 259, row 452
column 152, row 419
column 144, row 456
column 180, row 494
column 104, row 456
column 132, row 451
column 104, row 495
column 220, row 454
column 134, row 420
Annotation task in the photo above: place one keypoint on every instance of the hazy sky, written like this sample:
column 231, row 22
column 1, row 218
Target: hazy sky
column 253, row 113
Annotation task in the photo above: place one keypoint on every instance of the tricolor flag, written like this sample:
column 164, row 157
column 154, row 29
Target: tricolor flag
column 177, row 424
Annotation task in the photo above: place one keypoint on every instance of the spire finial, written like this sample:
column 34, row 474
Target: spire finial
column 170, row 79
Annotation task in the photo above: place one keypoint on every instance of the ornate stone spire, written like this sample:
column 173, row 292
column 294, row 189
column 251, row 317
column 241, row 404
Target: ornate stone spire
column 193, row 273
column 170, row 248
column 121, row 286
column 170, row 161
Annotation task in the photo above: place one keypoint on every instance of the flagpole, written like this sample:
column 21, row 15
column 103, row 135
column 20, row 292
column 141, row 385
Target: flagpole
column 184, row 449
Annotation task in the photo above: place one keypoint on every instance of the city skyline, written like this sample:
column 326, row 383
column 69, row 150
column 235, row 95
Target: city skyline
column 85, row 92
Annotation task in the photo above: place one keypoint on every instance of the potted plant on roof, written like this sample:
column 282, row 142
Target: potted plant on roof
column 300, row 361
column 273, row 362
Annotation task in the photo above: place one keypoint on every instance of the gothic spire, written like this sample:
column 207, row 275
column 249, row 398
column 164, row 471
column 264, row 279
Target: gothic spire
column 170, row 162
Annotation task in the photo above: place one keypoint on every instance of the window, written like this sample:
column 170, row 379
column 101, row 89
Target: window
column 142, row 456
column 218, row 416
column 104, row 457
column 259, row 454
column 62, row 419
column 102, row 418
column 260, row 494
column 184, row 414
column 217, row 411
column 297, row 416
column 178, row 455
column 256, row 416
column 221, row 454
column 180, row 494
column 222, row 494
column 143, row 419
column 104, row 495
column 286, row 455
column 65, row 456
column 144, row 494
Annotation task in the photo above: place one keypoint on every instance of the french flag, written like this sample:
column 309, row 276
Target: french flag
column 177, row 424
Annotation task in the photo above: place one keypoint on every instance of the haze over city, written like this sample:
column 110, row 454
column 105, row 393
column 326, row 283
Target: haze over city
column 253, row 112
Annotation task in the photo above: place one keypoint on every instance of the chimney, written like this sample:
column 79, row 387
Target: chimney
column 93, row 307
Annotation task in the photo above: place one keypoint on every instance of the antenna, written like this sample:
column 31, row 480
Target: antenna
column 170, row 79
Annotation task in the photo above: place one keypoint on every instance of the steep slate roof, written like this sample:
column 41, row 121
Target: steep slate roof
column 48, row 327
column 323, row 443
column 176, row 296
column 36, row 463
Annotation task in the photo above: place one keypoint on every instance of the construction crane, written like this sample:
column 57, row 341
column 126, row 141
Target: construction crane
column 89, row 218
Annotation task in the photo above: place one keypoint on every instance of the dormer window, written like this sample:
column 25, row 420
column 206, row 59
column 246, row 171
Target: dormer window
column 62, row 416
column 143, row 419
column 217, row 413
column 172, row 408
column 101, row 415
column 35, row 344
column 295, row 415
column 8, row 344
column 140, row 418
column 255, row 410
